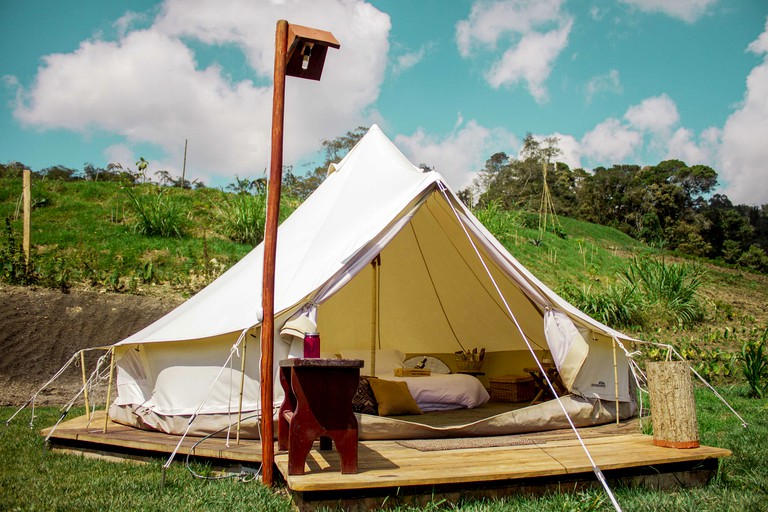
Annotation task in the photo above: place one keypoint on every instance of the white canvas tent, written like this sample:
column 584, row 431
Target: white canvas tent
column 444, row 283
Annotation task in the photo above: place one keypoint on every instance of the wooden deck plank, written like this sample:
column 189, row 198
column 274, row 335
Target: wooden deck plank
column 385, row 464
column 124, row 437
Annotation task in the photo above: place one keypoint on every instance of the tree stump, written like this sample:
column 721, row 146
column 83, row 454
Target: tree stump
column 673, row 408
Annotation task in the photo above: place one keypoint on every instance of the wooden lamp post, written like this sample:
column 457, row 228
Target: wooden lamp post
column 300, row 52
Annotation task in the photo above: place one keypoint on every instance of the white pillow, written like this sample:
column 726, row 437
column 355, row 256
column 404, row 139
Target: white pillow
column 386, row 360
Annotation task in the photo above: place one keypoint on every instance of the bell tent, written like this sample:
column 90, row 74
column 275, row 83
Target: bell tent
column 383, row 254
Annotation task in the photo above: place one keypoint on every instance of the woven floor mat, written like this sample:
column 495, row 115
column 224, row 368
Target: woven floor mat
column 431, row 445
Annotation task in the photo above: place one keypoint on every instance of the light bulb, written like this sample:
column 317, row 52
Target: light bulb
column 306, row 53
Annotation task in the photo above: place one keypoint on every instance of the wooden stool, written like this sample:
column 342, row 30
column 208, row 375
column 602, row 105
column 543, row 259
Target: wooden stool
column 318, row 403
column 543, row 391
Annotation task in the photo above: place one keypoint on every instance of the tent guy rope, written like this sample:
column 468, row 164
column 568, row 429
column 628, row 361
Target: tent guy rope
column 595, row 469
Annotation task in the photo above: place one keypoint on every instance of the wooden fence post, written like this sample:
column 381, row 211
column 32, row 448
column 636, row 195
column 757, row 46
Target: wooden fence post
column 27, row 193
column 673, row 408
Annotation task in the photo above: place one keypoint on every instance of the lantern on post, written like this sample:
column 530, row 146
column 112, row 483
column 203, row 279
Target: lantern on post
column 299, row 51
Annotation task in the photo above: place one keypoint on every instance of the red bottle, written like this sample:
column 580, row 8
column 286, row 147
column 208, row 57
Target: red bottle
column 312, row 345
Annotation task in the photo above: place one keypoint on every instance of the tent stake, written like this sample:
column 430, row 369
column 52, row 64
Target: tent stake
column 109, row 389
column 85, row 386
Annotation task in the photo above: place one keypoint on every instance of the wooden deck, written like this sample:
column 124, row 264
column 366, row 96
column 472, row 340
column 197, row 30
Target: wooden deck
column 552, row 460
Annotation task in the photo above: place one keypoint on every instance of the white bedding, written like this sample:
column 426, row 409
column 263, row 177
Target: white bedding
column 440, row 392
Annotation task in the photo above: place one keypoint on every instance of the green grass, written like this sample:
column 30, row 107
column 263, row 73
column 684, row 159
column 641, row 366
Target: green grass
column 89, row 228
column 33, row 479
column 589, row 253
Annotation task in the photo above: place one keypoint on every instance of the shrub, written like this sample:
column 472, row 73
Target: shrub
column 754, row 365
column 615, row 305
column 158, row 213
column 755, row 259
column 671, row 291
column 502, row 224
column 14, row 268
column 242, row 218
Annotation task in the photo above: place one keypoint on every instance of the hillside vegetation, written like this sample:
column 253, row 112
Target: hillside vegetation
column 150, row 239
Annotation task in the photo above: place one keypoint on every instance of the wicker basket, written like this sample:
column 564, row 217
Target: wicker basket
column 512, row 388
column 463, row 365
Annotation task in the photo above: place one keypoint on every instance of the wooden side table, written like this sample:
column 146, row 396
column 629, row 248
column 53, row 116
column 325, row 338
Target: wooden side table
column 543, row 392
column 318, row 403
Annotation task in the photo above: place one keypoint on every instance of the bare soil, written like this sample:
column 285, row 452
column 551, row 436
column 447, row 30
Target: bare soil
column 41, row 329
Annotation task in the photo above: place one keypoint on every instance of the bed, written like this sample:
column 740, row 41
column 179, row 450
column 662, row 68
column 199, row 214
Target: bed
column 436, row 392
column 441, row 392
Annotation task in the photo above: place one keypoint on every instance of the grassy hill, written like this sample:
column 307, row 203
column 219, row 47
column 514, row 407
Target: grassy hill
column 91, row 236
column 98, row 235
column 90, row 228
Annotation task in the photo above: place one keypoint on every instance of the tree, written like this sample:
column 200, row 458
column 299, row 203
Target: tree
column 607, row 196
column 492, row 182
column 335, row 150
column 164, row 177
column 241, row 185
column 12, row 170
column 141, row 166
column 60, row 173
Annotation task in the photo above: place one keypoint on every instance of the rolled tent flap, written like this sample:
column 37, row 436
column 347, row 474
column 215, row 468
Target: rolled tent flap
column 567, row 344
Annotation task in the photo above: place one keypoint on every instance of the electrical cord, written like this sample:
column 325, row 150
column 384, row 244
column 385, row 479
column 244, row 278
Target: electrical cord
column 244, row 476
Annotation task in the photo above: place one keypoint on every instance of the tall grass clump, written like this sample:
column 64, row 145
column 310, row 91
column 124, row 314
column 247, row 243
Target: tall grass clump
column 670, row 291
column 242, row 218
column 615, row 305
column 754, row 365
column 158, row 213
column 13, row 264
column 503, row 224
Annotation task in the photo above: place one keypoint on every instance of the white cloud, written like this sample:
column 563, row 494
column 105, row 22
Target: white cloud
column 533, row 33
column 490, row 21
column 459, row 155
column 408, row 60
column 611, row 142
column 128, row 21
column 684, row 146
column 744, row 152
column 570, row 150
column 658, row 114
column 686, row 10
column 760, row 45
column 120, row 154
column 609, row 82
column 148, row 88
column 530, row 61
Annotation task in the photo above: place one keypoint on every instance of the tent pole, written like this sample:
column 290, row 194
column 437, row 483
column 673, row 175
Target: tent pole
column 242, row 385
column 270, row 250
column 615, row 378
column 85, row 386
column 109, row 388
column 374, row 311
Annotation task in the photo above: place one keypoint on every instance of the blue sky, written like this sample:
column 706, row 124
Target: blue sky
column 451, row 82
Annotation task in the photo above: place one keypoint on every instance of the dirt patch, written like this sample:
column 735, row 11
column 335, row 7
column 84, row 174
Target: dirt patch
column 40, row 329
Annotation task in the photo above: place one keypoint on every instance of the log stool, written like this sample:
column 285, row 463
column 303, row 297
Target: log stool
column 318, row 403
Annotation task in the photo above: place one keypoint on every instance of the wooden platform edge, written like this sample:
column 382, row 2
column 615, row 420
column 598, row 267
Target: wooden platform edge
column 685, row 474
